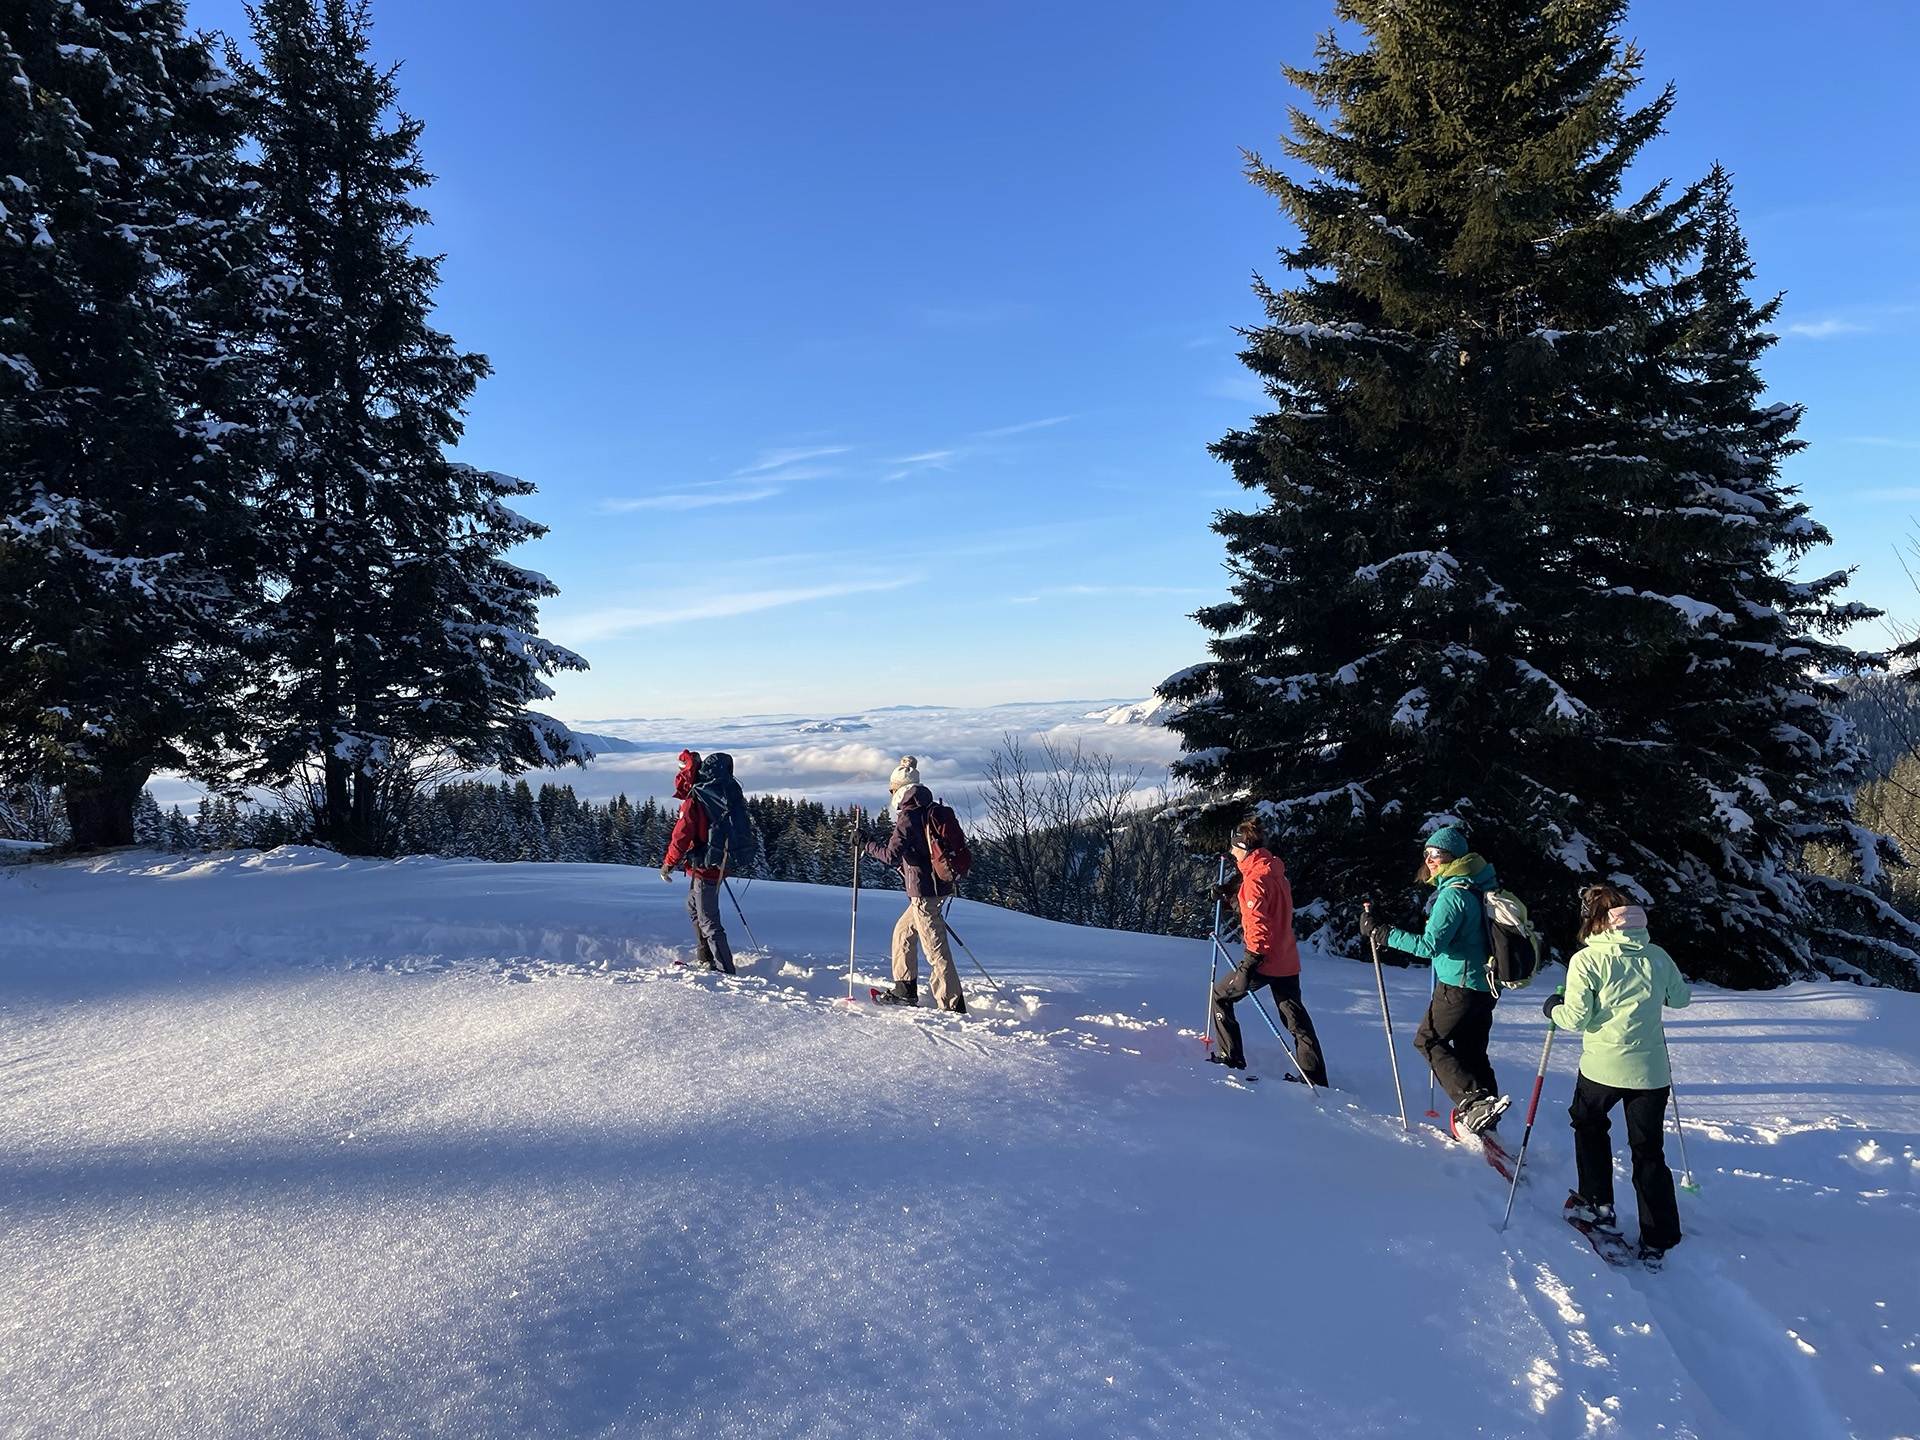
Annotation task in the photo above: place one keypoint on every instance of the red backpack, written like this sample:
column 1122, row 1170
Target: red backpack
column 947, row 844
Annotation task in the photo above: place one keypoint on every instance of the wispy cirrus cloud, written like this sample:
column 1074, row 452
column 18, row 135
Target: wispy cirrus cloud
column 911, row 465
column 976, row 315
column 1823, row 329
column 1025, row 426
column 785, row 460
column 687, row 500
column 622, row 620
column 1124, row 590
column 1238, row 387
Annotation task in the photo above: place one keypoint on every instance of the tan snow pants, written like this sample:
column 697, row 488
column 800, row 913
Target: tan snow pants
column 923, row 924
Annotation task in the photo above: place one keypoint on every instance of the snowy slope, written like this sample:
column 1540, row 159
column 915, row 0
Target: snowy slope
column 299, row 1146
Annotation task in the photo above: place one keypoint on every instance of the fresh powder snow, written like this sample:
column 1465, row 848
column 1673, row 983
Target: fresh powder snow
column 296, row 1145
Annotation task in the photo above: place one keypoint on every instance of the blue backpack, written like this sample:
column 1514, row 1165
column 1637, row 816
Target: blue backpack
column 730, row 836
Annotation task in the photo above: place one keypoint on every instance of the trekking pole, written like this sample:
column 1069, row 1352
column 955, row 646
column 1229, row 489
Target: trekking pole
column 1213, row 954
column 1520, row 1160
column 1380, row 979
column 1271, row 1024
column 976, row 961
column 1687, row 1182
column 725, row 846
column 853, row 930
column 1432, row 985
column 738, row 911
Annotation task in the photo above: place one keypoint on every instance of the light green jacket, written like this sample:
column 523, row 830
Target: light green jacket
column 1616, row 987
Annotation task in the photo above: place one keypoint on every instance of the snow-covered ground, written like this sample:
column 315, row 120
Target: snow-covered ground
column 293, row 1145
column 842, row 759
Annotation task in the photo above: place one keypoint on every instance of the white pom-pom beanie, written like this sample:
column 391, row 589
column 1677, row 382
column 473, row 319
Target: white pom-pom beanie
column 906, row 773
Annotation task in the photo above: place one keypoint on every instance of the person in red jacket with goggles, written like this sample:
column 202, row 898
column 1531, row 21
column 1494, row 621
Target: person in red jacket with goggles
column 1272, row 958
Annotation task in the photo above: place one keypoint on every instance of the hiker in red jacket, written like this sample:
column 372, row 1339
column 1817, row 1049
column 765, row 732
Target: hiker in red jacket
column 689, row 844
column 1272, row 959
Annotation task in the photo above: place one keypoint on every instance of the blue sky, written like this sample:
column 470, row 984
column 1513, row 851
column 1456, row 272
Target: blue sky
column 868, row 354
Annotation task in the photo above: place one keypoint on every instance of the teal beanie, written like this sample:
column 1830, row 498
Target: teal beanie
column 1451, row 839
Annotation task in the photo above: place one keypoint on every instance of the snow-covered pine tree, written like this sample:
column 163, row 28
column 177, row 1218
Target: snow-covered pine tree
column 1523, row 555
column 149, row 824
column 122, row 529
column 397, row 627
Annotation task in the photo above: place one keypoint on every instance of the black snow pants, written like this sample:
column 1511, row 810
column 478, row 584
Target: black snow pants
column 1646, row 1114
column 1453, row 1036
column 1241, row 983
column 709, row 936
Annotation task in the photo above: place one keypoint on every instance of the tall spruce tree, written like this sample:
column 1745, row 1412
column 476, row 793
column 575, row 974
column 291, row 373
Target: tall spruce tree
column 397, row 628
column 1524, row 554
column 123, row 534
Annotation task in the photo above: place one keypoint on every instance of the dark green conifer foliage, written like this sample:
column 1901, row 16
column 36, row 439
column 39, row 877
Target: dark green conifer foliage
column 122, row 528
column 1522, row 557
column 397, row 627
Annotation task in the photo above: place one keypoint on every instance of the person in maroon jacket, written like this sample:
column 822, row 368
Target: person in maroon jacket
column 689, row 843
column 922, row 924
column 1272, row 958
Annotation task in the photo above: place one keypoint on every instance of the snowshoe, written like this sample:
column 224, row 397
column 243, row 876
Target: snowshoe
column 1481, row 1112
column 1236, row 1070
column 902, row 992
column 1597, row 1223
column 958, row 1007
column 1653, row 1258
column 1487, row 1142
column 1496, row 1153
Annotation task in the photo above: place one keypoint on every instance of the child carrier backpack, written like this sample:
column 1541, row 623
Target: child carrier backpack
column 947, row 844
column 1518, row 954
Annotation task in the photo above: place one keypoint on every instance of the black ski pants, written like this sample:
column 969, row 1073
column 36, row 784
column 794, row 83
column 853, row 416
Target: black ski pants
column 1241, row 983
column 1453, row 1036
column 1646, row 1112
column 709, row 935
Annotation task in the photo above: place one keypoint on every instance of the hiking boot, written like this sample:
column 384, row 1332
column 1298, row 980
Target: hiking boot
column 956, row 1006
column 1223, row 1060
column 1600, row 1217
column 1482, row 1112
column 902, row 992
column 1652, row 1257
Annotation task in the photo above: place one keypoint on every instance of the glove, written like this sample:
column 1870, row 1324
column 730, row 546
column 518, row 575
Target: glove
column 1552, row 1003
column 1372, row 930
column 1220, row 892
column 1250, row 961
column 666, row 873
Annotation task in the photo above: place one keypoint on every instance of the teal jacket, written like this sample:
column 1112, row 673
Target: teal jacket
column 1617, row 986
column 1455, row 939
